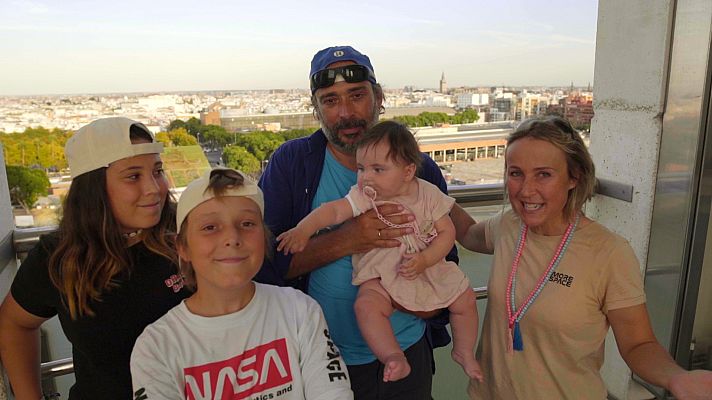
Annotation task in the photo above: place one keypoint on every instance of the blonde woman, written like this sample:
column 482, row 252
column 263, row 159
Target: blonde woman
column 559, row 280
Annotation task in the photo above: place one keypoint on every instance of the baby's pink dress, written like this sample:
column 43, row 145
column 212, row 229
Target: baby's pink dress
column 439, row 285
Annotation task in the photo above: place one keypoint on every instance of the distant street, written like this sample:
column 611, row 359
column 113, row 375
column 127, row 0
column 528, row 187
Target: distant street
column 213, row 157
column 488, row 170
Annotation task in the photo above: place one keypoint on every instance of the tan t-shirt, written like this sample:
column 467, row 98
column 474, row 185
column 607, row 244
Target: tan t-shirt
column 564, row 329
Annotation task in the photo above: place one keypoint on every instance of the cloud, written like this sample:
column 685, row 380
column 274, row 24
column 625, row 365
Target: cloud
column 30, row 7
column 536, row 40
column 122, row 31
column 571, row 39
column 420, row 21
column 541, row 25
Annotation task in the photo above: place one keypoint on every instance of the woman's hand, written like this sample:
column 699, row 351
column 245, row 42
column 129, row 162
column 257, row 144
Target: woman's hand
column 692, row 385
column 647, row 358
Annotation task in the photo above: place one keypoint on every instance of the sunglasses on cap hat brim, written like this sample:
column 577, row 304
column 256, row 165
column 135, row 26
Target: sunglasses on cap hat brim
column 350, row 73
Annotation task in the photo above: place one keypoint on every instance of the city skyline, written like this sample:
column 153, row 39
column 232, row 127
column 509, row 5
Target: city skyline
column 88, row 47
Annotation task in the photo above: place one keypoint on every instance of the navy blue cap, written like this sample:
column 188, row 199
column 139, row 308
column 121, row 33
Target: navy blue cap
column 325, row 57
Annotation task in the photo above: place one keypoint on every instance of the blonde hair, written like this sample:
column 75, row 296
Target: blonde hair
column 221, row 180
column 559, row 132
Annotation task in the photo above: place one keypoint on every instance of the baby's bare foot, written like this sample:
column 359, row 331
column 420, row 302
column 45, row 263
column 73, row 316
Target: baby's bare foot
column 468, row 363
column 397, row 367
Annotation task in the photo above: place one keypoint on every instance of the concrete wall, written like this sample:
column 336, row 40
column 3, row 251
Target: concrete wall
column 630, row 75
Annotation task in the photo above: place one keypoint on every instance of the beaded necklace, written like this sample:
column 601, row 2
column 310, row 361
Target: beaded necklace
column 514, row 341
column 131, row 235
column 370, row 192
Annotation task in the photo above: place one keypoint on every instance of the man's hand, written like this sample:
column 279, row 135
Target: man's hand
column 356, row 235
column 413, row 265
column 368, row 232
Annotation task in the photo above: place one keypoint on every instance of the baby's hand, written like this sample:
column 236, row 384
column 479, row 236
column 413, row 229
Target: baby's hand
column 292, row 241
column 413, row 265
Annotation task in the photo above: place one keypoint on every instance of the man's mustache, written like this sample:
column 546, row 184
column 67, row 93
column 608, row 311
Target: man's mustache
column 350, row 123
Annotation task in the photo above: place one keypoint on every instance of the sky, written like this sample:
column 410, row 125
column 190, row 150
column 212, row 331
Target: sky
column 98, row 46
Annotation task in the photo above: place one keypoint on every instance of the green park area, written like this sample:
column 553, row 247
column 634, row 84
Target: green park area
column 183, row 164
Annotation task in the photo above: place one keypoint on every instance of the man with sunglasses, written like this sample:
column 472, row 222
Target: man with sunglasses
column 306, row 172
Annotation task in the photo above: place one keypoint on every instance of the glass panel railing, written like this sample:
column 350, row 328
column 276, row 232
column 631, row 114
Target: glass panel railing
column 480, row 201
column 450, row 382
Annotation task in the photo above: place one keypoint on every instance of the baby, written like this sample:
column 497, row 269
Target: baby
column 415, row 275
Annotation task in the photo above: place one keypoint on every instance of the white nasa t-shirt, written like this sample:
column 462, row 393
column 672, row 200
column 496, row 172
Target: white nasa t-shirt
column 277, row 347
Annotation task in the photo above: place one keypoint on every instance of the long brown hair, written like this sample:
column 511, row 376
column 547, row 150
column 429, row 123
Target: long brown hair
column 91, row 251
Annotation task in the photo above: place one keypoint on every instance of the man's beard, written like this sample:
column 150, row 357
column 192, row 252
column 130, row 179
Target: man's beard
column 332, row 132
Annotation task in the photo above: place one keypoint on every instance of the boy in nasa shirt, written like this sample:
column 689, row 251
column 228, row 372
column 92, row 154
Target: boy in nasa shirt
column 234, row 338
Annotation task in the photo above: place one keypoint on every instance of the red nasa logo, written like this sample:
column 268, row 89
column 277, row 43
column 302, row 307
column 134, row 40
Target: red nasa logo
column 261, row 368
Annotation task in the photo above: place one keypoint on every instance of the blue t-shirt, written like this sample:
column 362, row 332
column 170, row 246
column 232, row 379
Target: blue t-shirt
column 331, row 284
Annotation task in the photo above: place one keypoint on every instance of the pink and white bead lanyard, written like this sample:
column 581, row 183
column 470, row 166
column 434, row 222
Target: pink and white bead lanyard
column 425, row 237
column 514, row 334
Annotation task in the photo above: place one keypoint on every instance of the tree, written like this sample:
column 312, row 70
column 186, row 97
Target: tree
column 176, row 137
column 260, row 144
column 180, row 137
column 176, row 124
column 163, row 137
column 193, row 126
column 295, row 133
column 238, row 157
column 36, row 146
column 26, row 185
column 408, row 120
column 432, row 119
column 215, row 135
column 466, row 116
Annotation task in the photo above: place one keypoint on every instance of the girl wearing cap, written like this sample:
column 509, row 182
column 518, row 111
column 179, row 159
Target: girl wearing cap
column 109, row 270
column 234, row 338
column 559, row 280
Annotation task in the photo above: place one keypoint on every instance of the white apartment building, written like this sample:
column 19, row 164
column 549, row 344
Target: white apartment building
column 465, row 100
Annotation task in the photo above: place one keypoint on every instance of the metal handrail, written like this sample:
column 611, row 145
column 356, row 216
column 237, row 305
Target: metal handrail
column 477, row 195
column 55, row 368
column 24, row 239
column 65, row 366
column 480, row 292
